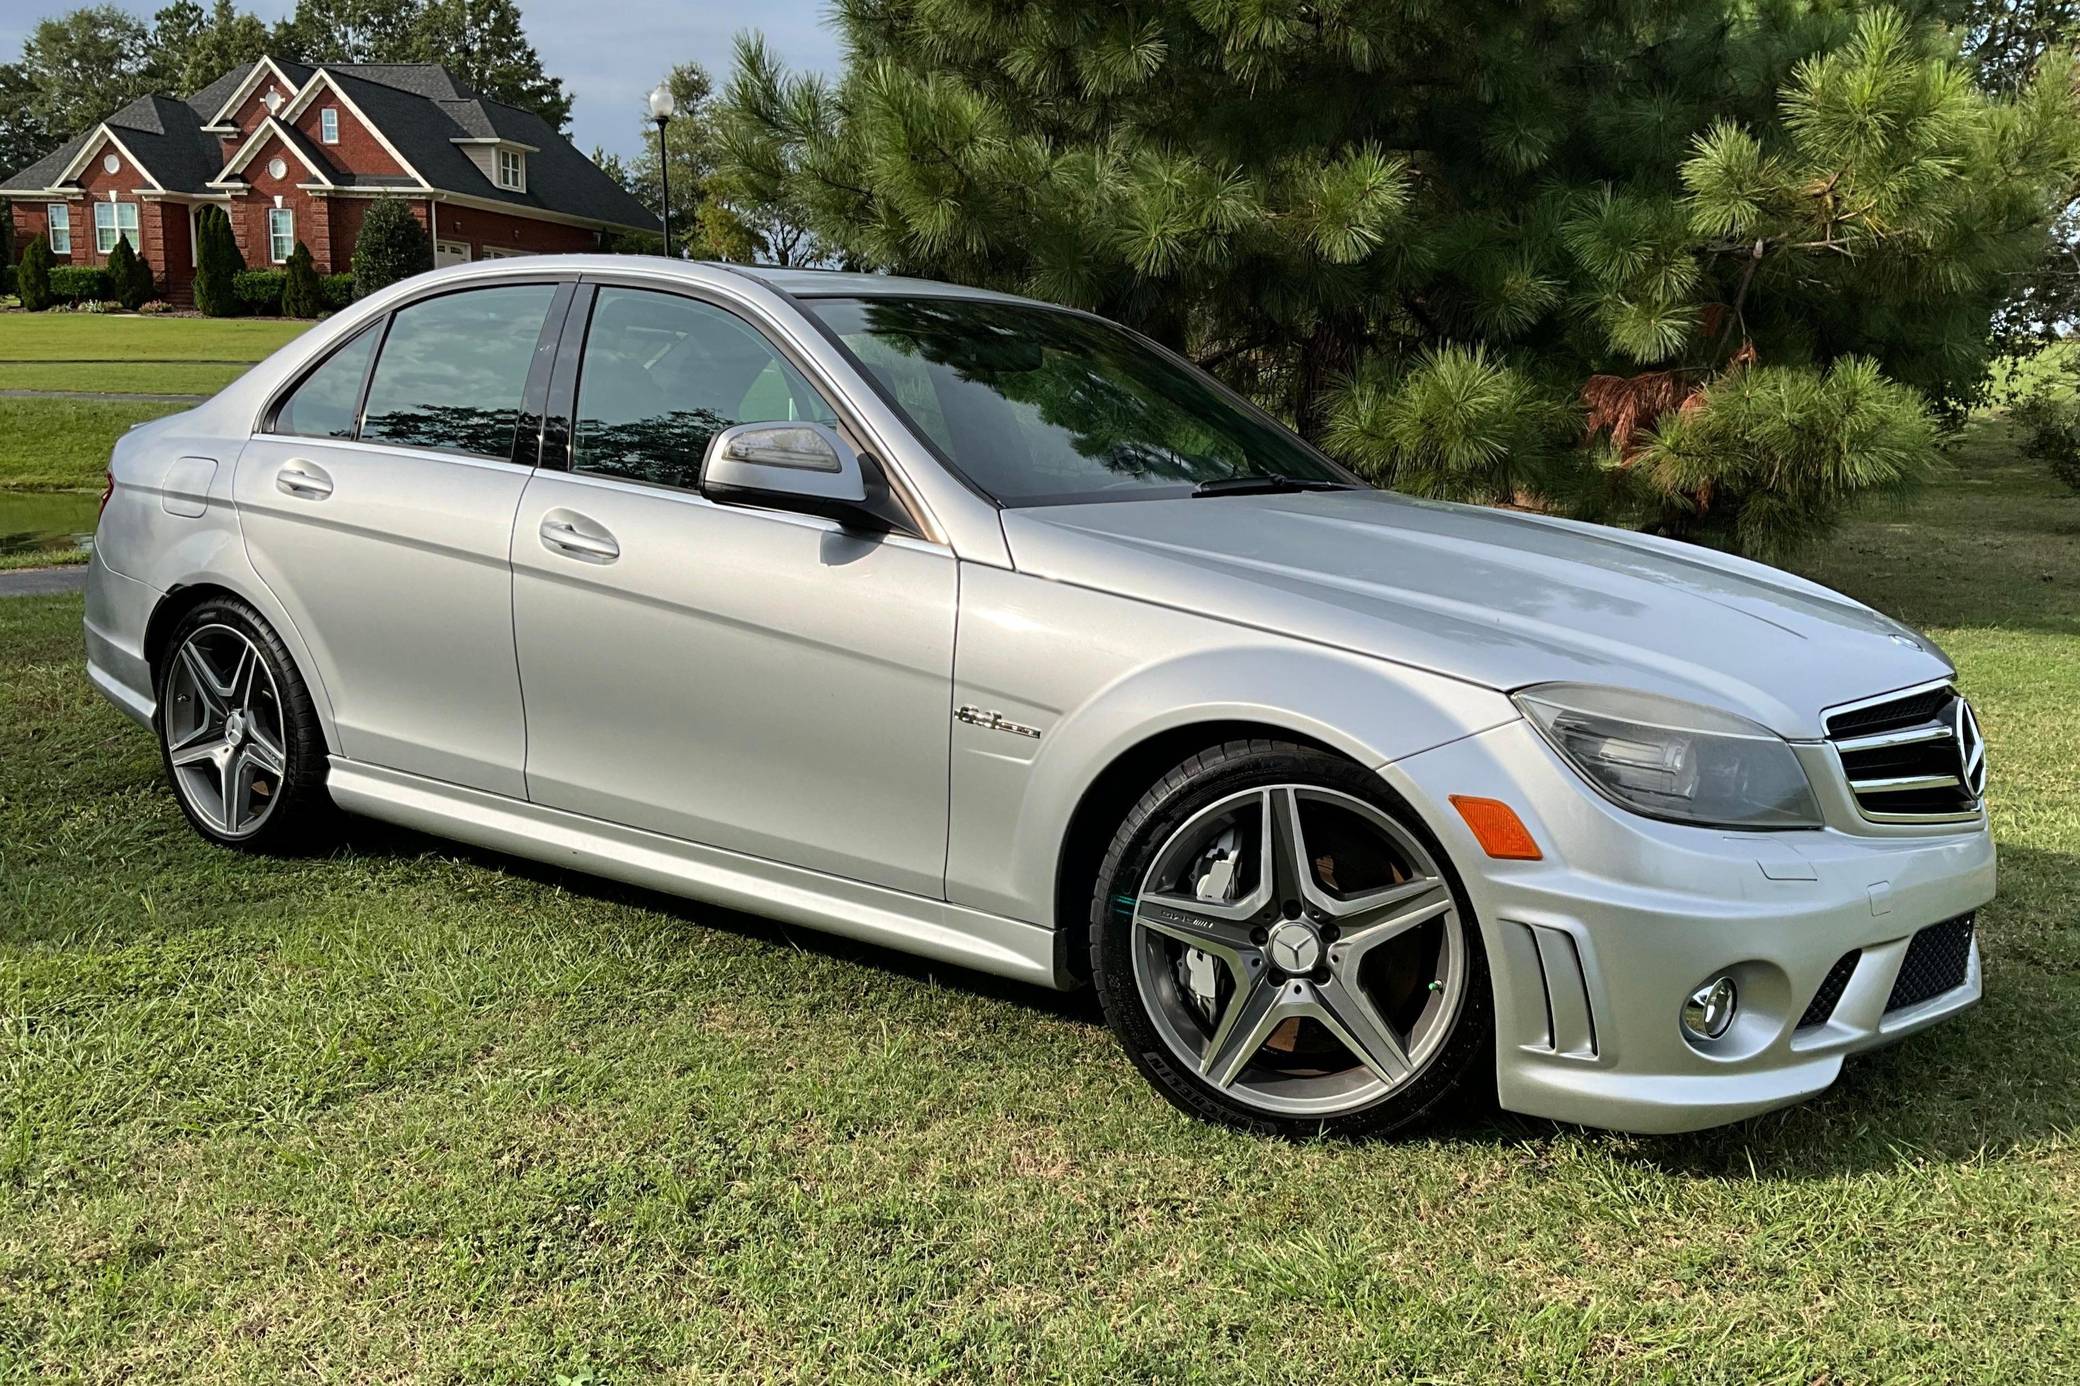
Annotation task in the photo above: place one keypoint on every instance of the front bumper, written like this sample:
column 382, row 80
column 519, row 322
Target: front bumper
column 1594, row 948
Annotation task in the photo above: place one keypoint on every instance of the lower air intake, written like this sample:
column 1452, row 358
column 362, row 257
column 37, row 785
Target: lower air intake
column 1936, row 962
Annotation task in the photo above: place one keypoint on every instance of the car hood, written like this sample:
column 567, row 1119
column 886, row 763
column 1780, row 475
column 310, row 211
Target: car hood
column 1495, row 597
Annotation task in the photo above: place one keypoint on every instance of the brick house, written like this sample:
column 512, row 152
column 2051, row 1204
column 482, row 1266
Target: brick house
column 294, row 153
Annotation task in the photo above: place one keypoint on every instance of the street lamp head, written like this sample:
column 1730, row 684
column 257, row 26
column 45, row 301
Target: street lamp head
column 662, row 103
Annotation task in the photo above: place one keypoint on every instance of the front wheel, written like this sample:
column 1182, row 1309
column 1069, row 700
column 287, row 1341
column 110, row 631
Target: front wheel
column 239, row 736
column 1281, row 946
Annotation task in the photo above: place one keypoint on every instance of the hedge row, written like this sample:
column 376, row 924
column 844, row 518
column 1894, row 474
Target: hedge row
column 260, row 290
column 69, row 283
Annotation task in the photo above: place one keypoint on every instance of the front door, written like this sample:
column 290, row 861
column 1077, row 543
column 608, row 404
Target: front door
column 763, row 682
column 384, row 528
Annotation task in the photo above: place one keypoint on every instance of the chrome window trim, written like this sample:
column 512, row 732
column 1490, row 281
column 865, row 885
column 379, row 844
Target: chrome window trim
column 687, row 496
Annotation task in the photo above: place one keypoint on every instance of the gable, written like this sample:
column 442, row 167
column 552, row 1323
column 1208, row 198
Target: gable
column 104, row 164
column 358, row 150
column 271, row 145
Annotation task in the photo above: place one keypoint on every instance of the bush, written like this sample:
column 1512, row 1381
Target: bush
column 259, row 290
column 80, row 284
column 2053, row 424
column 129, row 277
column 335, row 291
column 33, row 279
column 7, row 274
column 217, row 264
column 392, row 246
column 300, row 285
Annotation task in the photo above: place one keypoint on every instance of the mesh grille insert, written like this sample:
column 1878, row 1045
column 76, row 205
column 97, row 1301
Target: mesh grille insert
column 1936, row 962
column 1831, row 988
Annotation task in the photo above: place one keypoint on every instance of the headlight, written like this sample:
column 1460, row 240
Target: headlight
column 1671, row 759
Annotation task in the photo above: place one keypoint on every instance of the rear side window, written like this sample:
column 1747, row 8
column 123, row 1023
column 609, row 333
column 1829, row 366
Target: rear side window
column 662, row 374
column 453, row 370
column 323, row 405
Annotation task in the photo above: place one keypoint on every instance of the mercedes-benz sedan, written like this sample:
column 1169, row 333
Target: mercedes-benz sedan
column 991, row 631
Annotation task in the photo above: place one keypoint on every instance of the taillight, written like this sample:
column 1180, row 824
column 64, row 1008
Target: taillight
column 108, row 488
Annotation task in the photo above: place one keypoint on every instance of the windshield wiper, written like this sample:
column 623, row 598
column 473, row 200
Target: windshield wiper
column 1264, row 486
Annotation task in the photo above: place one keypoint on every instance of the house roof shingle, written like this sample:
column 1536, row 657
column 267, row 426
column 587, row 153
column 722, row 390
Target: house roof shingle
column 420, row 108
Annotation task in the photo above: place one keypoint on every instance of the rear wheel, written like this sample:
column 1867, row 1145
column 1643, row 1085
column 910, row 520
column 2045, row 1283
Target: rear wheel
column 1280, row 945
column 239, row 735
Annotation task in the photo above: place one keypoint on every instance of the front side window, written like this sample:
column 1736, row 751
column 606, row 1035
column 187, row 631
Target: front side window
column 661, row 375
column 323, row 405
column 113, row 219
column 60, row 217
column 453, row 369
column 510, row 169
column 1042, row 407
column 328, row 124
column 281, row 234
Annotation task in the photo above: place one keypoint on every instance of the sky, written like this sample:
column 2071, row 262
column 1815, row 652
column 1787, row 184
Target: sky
column 609, row 53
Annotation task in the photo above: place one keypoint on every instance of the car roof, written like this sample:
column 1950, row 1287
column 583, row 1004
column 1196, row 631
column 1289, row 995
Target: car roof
column 824, row 283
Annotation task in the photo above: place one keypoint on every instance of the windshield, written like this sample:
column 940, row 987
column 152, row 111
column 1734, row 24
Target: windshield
column 1041, row 407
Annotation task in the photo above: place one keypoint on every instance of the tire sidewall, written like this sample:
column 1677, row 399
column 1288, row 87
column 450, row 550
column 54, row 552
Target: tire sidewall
column 1194, row 785
column 302, row 797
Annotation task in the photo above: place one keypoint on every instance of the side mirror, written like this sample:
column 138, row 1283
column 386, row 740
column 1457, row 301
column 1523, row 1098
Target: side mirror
column 790, row 466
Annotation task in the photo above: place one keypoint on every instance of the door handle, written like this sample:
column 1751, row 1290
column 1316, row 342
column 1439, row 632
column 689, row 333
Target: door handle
column 306, row 479
column 565, row 537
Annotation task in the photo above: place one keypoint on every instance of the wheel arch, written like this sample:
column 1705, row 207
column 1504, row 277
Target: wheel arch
column 184, row 597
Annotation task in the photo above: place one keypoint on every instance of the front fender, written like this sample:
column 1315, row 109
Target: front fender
column 1119, row 673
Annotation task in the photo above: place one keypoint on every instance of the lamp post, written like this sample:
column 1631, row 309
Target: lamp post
column 661, row 107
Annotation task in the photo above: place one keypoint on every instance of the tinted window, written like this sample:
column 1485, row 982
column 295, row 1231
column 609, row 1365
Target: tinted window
column 661, row 375
column 323, row 405
column 1037, row 406
column 453, row 369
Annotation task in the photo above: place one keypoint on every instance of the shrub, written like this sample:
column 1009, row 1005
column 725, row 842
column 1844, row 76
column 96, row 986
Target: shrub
column 300, row 285
column 259, row 290
column 79, row 283
column 7, row 274
column 392, row 246
column 2053, row 424
column 33, row 279
column 217, row 264
column 336, row 291
column 129, row 277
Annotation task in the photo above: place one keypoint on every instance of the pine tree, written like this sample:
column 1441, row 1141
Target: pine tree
column 392, row 246
column 217, row 264
column 1483, row 249
column 300, row 295
column 32, row 278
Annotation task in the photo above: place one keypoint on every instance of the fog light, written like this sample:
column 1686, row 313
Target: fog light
column 1709, row 1011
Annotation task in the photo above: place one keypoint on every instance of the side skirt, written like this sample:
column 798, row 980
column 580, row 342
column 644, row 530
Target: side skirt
column 873, row 914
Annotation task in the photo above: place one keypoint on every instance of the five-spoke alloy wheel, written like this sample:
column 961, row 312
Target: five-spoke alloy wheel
column 235, row 723
column 1281, row 945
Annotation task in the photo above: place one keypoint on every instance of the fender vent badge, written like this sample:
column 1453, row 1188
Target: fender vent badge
column 995, row 721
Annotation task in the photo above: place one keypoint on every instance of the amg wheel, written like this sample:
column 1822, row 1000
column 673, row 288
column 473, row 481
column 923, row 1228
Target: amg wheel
column 241, row 741
column 1281, row 946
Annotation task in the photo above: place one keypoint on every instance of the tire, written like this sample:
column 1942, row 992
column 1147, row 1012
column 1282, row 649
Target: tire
column 1392, row 959
column 230, row 701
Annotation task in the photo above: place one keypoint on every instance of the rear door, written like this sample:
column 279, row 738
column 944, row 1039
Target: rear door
column 754, row 680
column 378, row 506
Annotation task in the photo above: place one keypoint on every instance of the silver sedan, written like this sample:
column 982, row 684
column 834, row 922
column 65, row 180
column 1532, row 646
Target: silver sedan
column 991, row 631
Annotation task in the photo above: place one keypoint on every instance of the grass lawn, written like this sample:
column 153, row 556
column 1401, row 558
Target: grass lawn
column 61, row 446
column 409, row 1111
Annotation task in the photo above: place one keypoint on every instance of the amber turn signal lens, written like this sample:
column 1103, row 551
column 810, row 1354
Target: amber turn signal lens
column 1497, row 828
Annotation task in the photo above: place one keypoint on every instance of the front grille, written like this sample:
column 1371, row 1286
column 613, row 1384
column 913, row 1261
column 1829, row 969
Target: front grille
column 1936, row 962
column 1912, row 758
column 1821, row 1010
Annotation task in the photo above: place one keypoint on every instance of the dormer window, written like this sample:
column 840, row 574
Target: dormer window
column 512, row 170
column 328, row 125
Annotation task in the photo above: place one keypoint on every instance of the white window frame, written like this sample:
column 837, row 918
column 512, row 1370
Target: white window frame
column 275, row 252
column 517, row 181
column 122, row 221
column 491, row 252
column 59, row 215
column 328, row 124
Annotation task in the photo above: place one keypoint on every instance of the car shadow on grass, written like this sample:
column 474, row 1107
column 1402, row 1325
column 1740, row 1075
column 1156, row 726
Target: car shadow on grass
column 2002, row 1076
